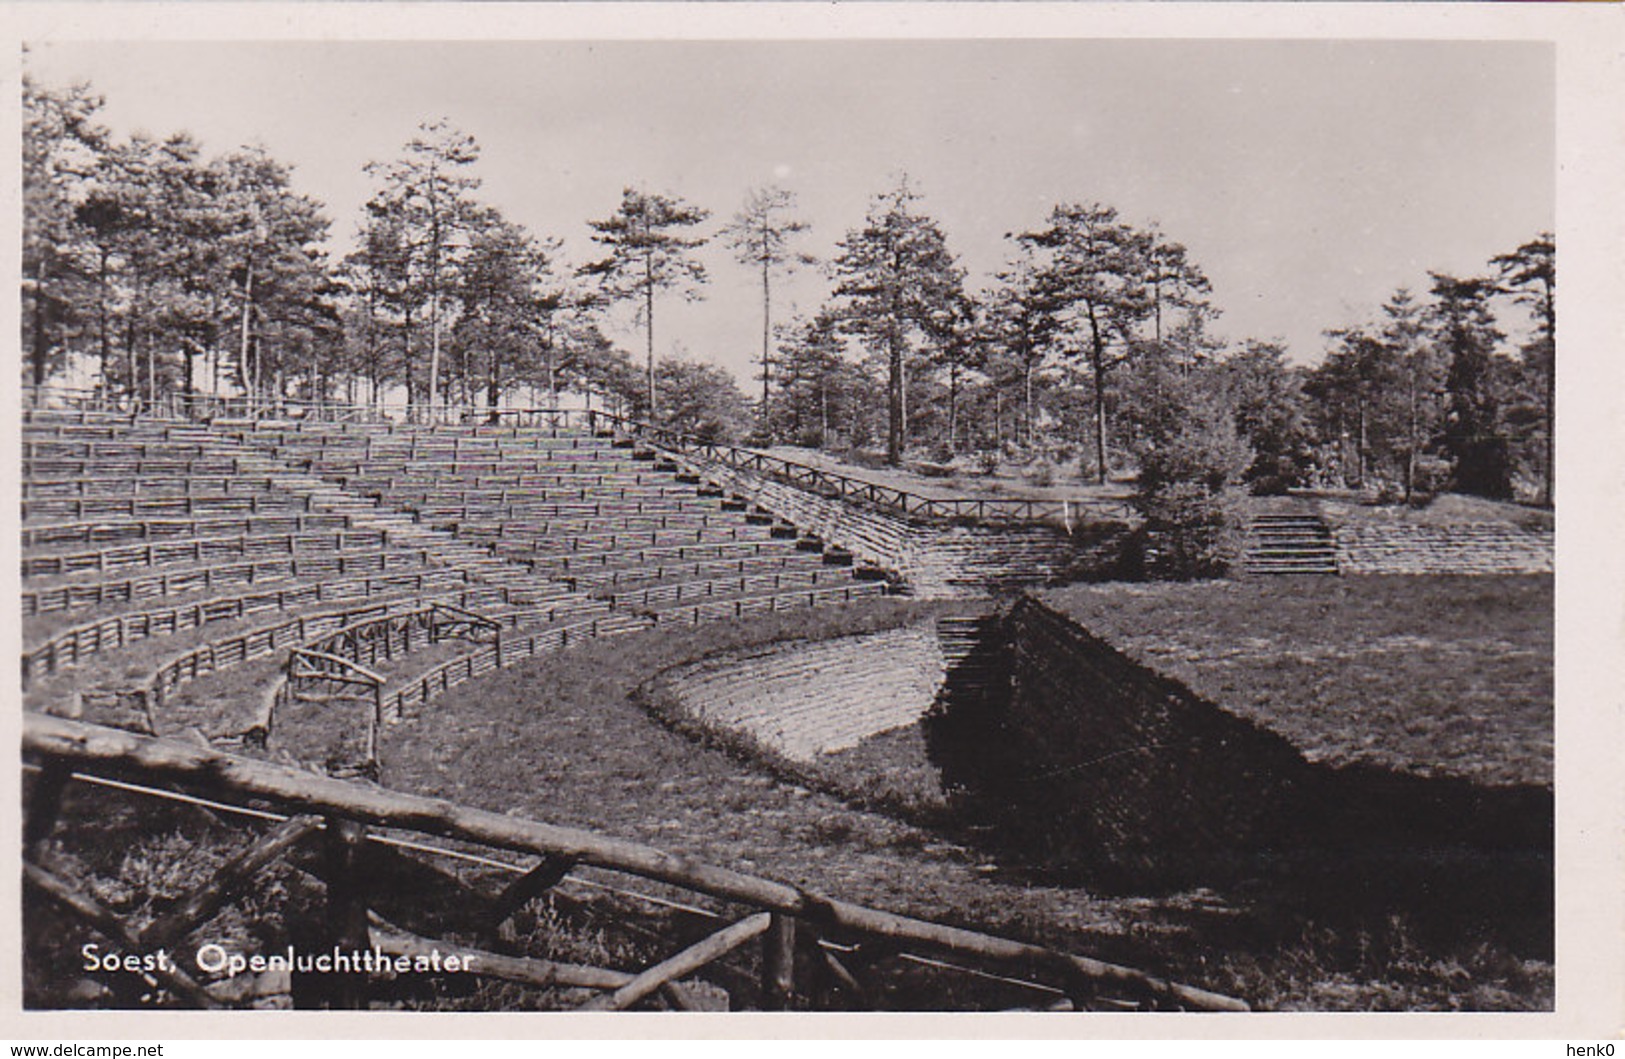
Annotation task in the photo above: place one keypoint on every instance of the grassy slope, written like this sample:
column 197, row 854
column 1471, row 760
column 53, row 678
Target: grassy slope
column 1436, row 675
column 562, row 739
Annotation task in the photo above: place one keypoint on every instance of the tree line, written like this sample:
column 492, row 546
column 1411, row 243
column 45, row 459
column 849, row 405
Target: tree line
column 156, row 271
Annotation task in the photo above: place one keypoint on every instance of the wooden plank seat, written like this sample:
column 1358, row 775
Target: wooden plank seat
column 566, row 486
column 251, row 503
column 197, row 550
column 688, row 613
column 58, row 641
column 566, row 564
column 509, row 521
column 124, row 485
column 628, row 539
column 76, row 591
column 111, row 449
column 541, row 505
column 118, row 531
column 55, row 467
column 668, row 570
column 666, row 594
column 468, row 467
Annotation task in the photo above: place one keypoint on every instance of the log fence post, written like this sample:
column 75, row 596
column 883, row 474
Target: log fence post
column 44, row 803
column 778, row 962
column 346, row 910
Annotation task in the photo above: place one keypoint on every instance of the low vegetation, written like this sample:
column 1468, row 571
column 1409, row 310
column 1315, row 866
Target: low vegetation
column 1430, row 675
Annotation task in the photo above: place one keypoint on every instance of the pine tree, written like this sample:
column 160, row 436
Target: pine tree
column 1464, row 332
column 1100, row 269
column 428, row 192
column 1529, row 273
column 760, row 235
column 894, row 273
column 648, row 255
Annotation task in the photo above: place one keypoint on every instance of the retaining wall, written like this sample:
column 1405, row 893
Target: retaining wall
column 1115, row 767
column 937, row 562
column 803, row 700
column 1467, row 548
column 1091, row 762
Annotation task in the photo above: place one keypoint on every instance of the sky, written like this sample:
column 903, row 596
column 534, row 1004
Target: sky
column 1309, row 179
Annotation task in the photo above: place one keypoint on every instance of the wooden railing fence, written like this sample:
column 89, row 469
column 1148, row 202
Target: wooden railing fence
column 843, row 940
column 814, row 479
column 199, row 549
column 203, row 578
column 72, row 646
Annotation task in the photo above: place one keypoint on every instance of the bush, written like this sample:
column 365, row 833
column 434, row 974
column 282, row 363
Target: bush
column 1042, row 475
column 1189, row 532
column 1190, row 454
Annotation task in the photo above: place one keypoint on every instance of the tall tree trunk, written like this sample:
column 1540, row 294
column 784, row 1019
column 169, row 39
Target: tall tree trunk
column 244, row 328
column 413, row 397
column 823, row 414
column 767, row 330
column 493, row 388
column 1027, row 402
column 1097, row 361
column 132, row 377
column 1551, row 395
column 1360, row 439
column 41, row 343
column 105, row 339
column 649, row 327
column 1411, row 426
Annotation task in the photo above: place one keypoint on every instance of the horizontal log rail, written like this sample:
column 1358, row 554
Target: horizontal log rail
column 123, row 756
column 78, row 507
column 70, row 647
column 198, row 549
column 121, row 486
column 99, row 593
column 155, row 529
column 813, row 479
column 844, row 487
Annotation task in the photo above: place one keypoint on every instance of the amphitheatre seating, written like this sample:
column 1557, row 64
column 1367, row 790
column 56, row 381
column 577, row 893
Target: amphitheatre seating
column 532, row 495
column 182, row 562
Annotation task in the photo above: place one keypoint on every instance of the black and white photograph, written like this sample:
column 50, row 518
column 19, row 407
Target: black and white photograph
column 852, row 523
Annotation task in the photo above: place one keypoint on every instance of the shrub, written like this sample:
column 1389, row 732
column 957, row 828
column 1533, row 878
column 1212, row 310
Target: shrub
column 1190, row 454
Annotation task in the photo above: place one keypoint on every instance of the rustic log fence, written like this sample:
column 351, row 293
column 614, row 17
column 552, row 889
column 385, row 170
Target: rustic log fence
column 199, row 549
column 72, row 646
column 223, row 503
column 856, row 490
column 814, row 479
column 123, row 486
column 155, row 529
column 843, row 938
column 341, row 566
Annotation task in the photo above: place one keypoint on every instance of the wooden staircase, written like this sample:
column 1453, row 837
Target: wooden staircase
column 1289, row 544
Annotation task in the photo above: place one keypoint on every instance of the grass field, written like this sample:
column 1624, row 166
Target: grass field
column 1426, row 675
column 565, row 739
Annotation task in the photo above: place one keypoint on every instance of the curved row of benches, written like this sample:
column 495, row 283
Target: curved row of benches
column 623, row 539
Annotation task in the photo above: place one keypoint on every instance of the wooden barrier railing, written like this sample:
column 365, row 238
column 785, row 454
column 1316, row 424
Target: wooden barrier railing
column 814, row 479
column 857, row 490
column 155, row 529
column 199, row 549
column 72, row 646
column 348, row 815
column 78, row 507
column 256, row 643
column 204, row 578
